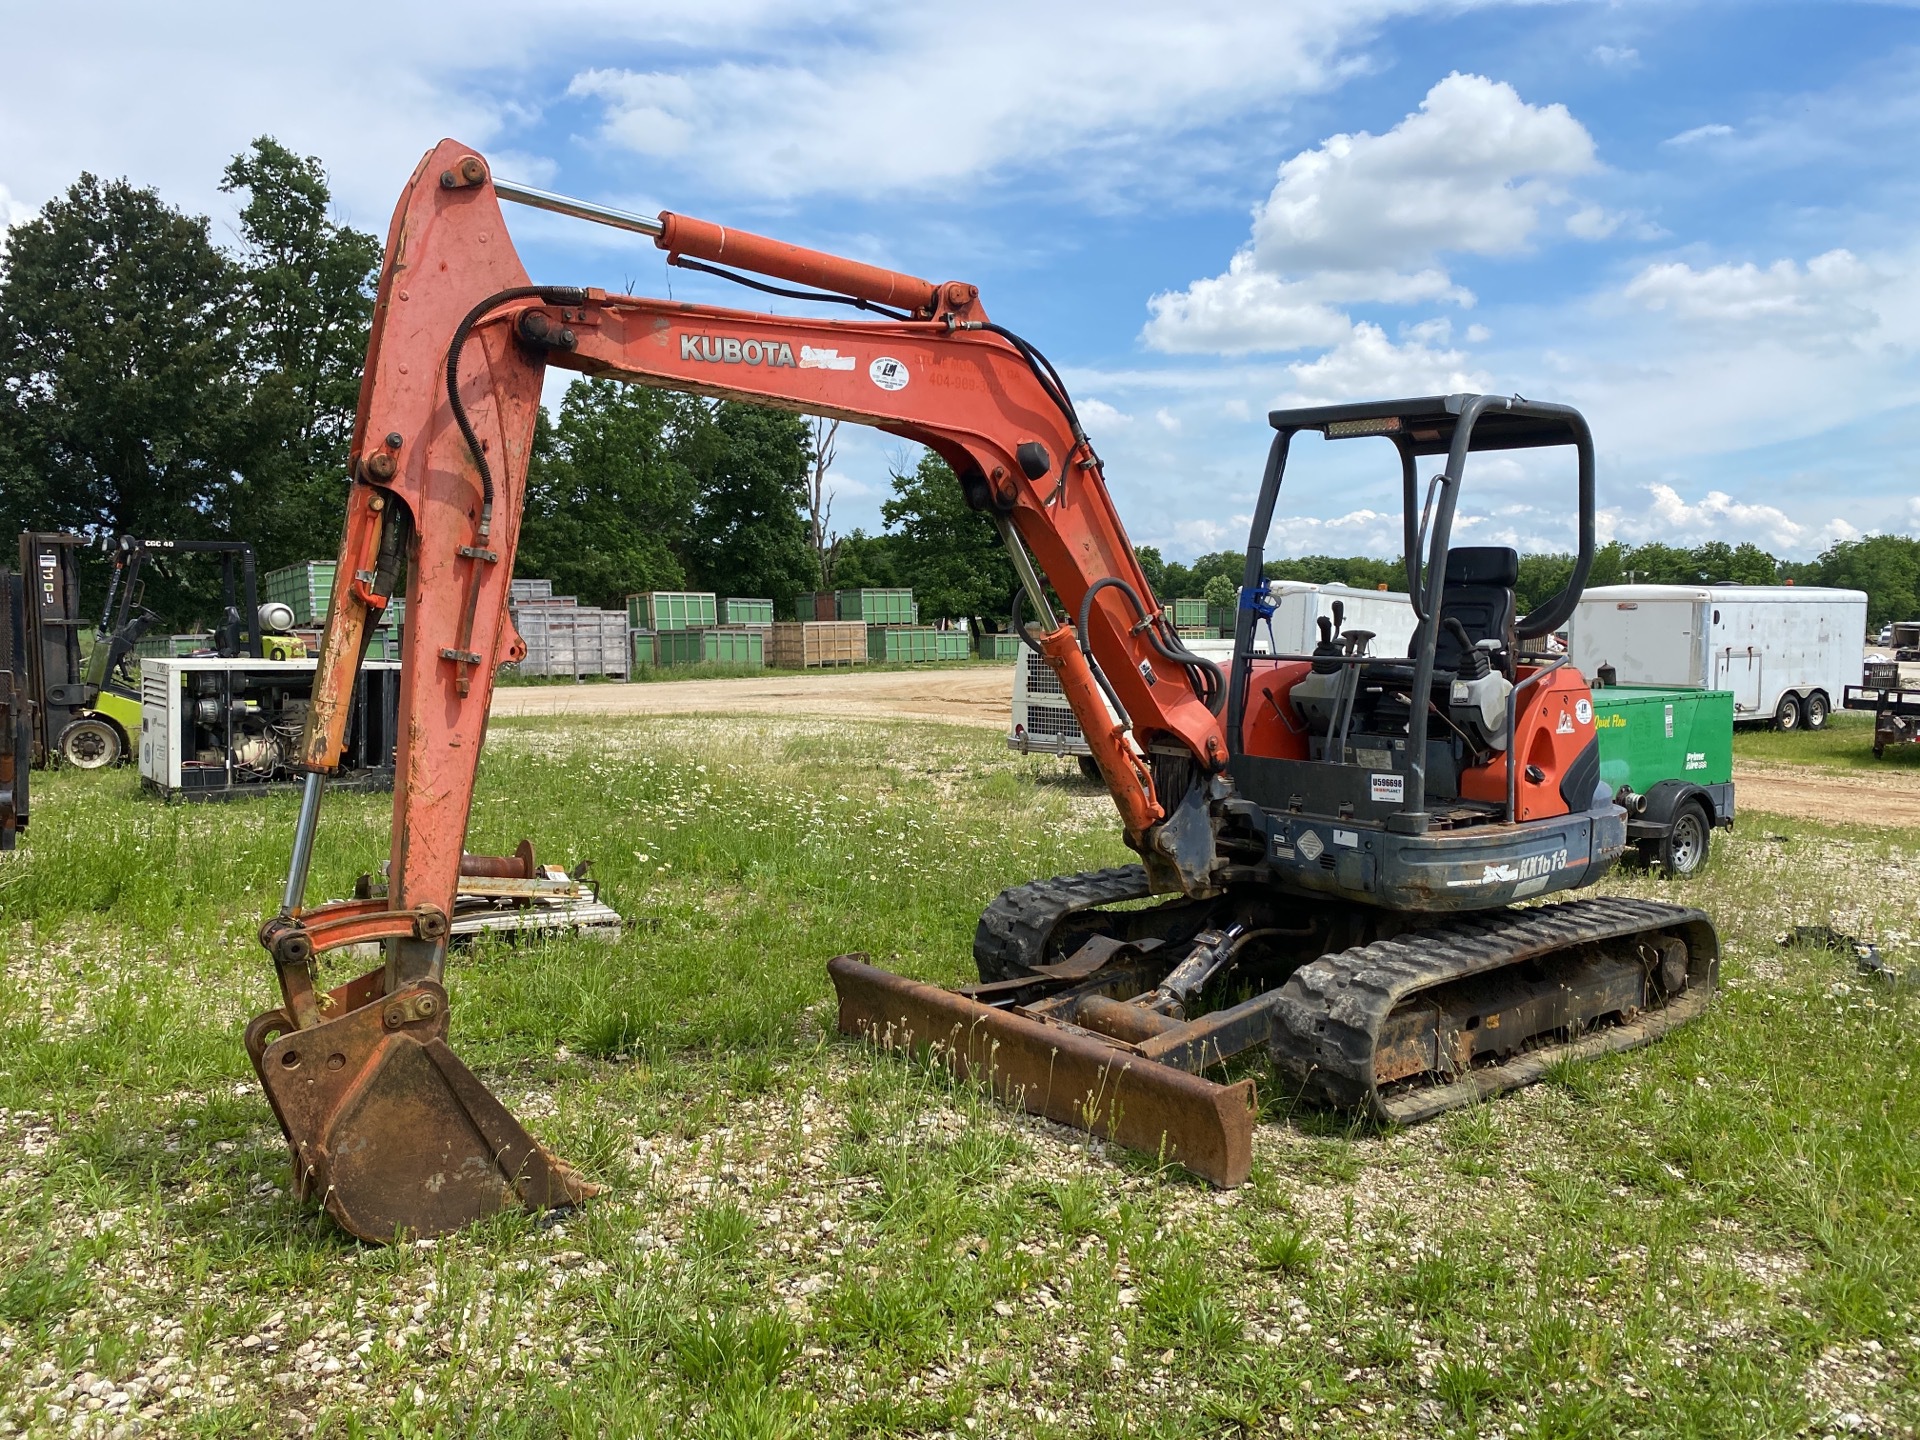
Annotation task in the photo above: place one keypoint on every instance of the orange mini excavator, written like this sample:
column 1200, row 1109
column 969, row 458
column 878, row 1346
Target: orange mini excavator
column 1340, row 836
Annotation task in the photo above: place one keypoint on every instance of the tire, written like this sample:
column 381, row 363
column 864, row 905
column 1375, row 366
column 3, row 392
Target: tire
column 90, row 743
column 1089, row 767
column 1787, row 716
column 1684, row 850
column 1816, row 708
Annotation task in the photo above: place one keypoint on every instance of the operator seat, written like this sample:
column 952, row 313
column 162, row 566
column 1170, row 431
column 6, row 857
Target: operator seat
column 1479, row 594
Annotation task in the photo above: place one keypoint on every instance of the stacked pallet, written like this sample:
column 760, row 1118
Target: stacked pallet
column 565, row 638
column 816, row 644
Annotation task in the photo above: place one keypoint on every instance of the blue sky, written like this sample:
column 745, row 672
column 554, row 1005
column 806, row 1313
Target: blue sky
column 1695, row 221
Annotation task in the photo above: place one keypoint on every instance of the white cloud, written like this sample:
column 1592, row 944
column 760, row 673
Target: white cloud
column 1366, row 217
column 1835, row 291
column 1668, row 518
column 12, row 213
column 1616, row 56
column 1167, row 420
column 1095, row 412
column 1367, row 365
column 860, row 107
column 1699, row 133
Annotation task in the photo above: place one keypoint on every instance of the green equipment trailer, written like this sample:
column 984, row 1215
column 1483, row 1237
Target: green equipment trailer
column 1667, row 756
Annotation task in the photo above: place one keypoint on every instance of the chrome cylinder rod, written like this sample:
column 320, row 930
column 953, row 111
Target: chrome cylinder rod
column 309, row 821
column 579, row 209
column 1023, row 567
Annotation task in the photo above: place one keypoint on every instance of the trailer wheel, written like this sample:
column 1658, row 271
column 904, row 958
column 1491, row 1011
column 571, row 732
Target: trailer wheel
column 1684, row 850
column 1089, row 767
column 90, row 743
column 1787, row 716
column 1817, row 709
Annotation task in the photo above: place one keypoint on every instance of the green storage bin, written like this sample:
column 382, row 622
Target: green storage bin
column 999, row 647
column 903, row 646
column 741, row 649
column 1650, row 734
column 747, row 612
column 662, row 610
column 951, row 644
column 1189, row 612
column 1221, row 618
column 876, row 607
column 306, row 589
column 644, row 654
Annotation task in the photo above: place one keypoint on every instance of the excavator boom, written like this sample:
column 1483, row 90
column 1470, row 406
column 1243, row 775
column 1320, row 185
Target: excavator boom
column 377, row 1110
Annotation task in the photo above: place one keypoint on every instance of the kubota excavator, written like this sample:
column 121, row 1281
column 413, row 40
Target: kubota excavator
column 1341, row 836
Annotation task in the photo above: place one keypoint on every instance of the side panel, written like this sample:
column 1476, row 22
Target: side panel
column 1767, row 645
column 1646, row 641
column 1647, row 736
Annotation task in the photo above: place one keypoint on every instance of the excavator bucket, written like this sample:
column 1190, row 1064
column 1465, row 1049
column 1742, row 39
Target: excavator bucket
column 387, row 1126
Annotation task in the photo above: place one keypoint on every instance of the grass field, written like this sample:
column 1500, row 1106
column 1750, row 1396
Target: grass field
column 1845, row 743
column 1714, row 1236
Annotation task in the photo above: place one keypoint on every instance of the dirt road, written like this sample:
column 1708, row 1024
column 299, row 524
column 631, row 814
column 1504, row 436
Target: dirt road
column 1838, row 797
column 979, row 695
column 982, row 696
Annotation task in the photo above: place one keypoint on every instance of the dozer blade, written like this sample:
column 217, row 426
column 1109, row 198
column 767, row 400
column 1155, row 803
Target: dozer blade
column 1062, row 1072
column 389, row 1128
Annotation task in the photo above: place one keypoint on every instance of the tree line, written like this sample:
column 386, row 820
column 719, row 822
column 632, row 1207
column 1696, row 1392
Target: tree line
column 1886, row 567
column 155, row 382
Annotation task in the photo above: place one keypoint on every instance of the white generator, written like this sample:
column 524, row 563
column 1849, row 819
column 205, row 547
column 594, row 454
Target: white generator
column 214, row 728
column 1044, row 724
column 1787, row 652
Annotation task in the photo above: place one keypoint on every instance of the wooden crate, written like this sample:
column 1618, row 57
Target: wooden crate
column 812, row 644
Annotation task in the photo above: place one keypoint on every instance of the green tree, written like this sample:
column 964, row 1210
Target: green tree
column 610, row 495
column 1153, row 567
column 122, row 394
column 951, row 555
column 307, row 287
column 1887, row 567
column 1220, row 591
column 748, row 534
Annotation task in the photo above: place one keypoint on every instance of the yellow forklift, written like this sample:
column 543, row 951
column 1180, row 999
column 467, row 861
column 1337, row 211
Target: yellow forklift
column 86, row 711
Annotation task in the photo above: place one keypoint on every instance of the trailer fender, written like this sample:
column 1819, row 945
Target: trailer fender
column 1666, row 796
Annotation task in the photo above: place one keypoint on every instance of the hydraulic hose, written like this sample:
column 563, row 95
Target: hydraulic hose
column 548, row 294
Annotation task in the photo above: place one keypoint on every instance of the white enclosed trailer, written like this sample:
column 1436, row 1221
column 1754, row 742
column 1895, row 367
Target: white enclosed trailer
column 1787, row 652
column 1044, row 723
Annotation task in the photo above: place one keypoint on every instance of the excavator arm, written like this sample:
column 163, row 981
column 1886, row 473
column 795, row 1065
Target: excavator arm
column 383, row 1121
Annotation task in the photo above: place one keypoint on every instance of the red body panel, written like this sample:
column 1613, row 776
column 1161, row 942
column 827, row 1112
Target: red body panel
column 1554, row 724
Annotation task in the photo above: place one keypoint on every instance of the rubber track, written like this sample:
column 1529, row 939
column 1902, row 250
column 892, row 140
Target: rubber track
column 1329, row 1013
column 1013, row 932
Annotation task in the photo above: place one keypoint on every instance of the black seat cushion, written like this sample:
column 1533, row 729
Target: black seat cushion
column 1479, row 594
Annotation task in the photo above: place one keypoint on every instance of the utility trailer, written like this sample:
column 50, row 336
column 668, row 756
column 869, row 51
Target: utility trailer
column 214, row 727
column 1667, row 757
column 1783, row 651
column 1043, row 722
column 1890, row 688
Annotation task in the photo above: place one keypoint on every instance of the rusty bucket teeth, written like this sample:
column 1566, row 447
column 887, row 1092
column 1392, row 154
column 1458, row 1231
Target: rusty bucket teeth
column 1063, row 1073
column 390, row 1129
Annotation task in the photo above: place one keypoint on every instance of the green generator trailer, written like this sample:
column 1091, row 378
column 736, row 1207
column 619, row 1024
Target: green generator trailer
column 1667, row 756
